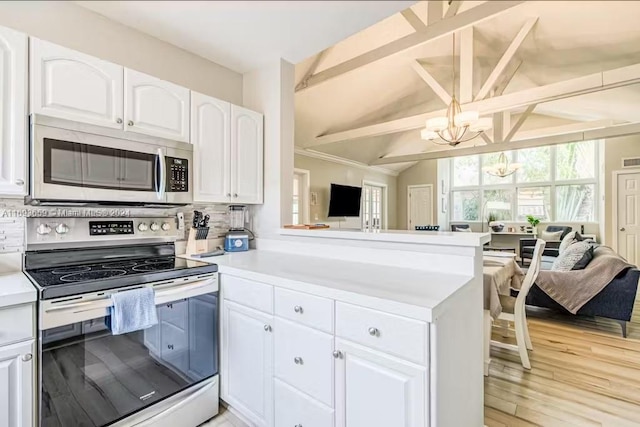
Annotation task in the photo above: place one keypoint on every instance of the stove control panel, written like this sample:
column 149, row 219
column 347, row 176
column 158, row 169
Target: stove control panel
column 105, row 228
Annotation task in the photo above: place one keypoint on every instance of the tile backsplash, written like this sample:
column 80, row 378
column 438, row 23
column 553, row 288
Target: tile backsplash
column 13, row 212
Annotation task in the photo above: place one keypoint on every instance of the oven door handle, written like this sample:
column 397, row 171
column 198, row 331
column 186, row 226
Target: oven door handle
column 106, row 302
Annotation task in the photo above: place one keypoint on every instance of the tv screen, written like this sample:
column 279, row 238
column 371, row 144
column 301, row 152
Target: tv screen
column 344, row 200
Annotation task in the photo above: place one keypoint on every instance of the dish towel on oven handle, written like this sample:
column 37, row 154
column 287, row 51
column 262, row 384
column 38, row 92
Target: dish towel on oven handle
column 132, row 311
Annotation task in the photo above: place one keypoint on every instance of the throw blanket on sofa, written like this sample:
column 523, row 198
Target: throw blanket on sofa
column 573, row 289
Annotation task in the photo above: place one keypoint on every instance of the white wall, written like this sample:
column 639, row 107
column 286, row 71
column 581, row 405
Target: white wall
column 324, row 172
column 70, row 25
column 424, row 172
column 270, row 90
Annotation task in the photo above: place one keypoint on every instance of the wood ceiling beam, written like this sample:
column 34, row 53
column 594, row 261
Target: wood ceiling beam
column 596, row 82
column 431, row 82
column 516, row 127
column 416, row 23
column 434, row 11
column 586, row 135
column 304, row 81
column 506, row 59
column 439, row 29
column 507, row 76
column 453, row 8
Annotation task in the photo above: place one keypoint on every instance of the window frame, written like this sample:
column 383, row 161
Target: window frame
column 383, row 205
column 513, row 186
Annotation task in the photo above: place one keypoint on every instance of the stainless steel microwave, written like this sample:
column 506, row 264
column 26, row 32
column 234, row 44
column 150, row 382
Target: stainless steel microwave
column 77, row 164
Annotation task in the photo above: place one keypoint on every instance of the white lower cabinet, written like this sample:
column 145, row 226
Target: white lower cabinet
column 247, row 362
column 294, row 408
column 309, row 376
column 16, row 384
column 373, row 389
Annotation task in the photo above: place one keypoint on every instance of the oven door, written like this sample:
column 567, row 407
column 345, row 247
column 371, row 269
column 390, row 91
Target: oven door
column 90, row 377
column 75, row 166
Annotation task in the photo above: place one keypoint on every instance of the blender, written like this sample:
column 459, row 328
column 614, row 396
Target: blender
column 237, row 239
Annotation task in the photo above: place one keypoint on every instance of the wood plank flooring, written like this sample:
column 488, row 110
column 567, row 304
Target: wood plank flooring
column 583, row 374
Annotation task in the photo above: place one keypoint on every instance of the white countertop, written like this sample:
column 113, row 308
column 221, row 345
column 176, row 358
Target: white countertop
column 345, row 280
column 443, row 238
column 15, row 288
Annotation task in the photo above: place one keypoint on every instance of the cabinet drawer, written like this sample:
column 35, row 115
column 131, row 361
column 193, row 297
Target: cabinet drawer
column 309, row 310
column 248, row 293
column 400, row 336
column 293, row 408
column 16, row 323
column 304, row 359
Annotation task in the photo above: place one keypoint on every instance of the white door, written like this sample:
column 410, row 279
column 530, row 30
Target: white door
column 247, row 362
column 13, row 113
column 156, row 107
column 211, row 137
column 16, row 384
column 74, row 86
column 247, row 155
column 420, row 206
column 377, row 390
column 629, row 217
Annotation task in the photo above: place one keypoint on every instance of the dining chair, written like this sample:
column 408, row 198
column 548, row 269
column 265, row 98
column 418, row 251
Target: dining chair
column 513, row 308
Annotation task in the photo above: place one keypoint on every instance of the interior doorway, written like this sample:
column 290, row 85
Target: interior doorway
column 301, row 193
column 627, row 216
column 419, row 205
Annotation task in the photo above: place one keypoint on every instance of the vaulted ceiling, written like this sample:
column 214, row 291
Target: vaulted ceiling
column 569, row 39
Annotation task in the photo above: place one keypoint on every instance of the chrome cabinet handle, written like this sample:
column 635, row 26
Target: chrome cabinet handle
column 297, row 360
column 119, row 120
column 298, row 425
column 267, row 328
column 27, row 357
column 298, row 309
column 228, row 194
column 235, row 194
column 130, row 123
column 374, row 332
column 19, row 182
column 623, row 229
column 337, row 354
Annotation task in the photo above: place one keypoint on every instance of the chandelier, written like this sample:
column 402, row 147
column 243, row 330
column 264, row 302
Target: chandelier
column 458, row 126
column 502, row 168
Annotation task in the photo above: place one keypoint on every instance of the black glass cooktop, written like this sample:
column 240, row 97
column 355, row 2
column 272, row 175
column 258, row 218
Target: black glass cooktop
column 75, row 279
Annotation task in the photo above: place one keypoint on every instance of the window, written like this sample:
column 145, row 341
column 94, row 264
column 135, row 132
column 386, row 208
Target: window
column 555, row 183
column 373, row 206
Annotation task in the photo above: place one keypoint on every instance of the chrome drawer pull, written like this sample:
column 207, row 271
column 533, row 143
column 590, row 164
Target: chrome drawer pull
column 374, row 332
column 298, row 309
column 267, row 328
column 337, row 354
column 298, row 361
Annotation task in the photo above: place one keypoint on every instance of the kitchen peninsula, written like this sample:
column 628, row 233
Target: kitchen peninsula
column 354, row 328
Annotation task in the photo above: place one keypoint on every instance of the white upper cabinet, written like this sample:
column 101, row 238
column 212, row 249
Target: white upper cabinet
column 247, row 155
column 74, row 86
column 13, row 113
column 156, row 107
column 211, row 137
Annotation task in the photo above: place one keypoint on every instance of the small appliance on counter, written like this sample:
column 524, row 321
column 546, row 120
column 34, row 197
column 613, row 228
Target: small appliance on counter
column 237, row 239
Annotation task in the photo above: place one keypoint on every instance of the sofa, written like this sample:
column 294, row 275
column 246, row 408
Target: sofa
column 615, row 301
column 551, row 248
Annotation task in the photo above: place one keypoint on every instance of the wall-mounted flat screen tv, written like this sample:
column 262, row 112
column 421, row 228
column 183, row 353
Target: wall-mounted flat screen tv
column 344, row 200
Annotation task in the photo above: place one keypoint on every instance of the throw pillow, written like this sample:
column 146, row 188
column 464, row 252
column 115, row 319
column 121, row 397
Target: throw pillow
column 571, row 256
column 569, row 240
column 585, row 260
column 551, row 236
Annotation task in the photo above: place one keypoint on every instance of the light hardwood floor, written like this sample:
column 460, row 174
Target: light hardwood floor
column 583, row 374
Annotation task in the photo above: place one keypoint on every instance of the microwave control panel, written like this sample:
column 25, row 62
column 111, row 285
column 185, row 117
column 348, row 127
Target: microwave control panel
column 178, row 175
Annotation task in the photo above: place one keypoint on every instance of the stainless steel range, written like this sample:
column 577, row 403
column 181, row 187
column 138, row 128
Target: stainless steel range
column 165, row 375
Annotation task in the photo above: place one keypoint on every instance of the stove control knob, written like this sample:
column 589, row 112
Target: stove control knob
column 62, row 228
column 166, row 226
column 143, row 226
column 43, row 229
column 155, row 226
